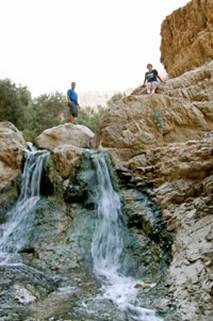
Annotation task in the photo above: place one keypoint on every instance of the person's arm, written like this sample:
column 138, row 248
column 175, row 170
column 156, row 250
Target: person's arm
column 68, row 99
column 144, row 80
column 76, row 100
column 157, row 75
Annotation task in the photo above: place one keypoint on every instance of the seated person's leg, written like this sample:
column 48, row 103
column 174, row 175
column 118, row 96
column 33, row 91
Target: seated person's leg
column 154, row 87
column 148, row 87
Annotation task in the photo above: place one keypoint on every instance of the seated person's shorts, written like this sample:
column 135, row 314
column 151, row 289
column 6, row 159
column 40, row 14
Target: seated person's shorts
column 151, row 83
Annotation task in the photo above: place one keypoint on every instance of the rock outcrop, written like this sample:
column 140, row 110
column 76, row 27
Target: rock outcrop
column 182, row 110
column 182, row 174
column 187, row 37
column 67, row 134
column 12, row 146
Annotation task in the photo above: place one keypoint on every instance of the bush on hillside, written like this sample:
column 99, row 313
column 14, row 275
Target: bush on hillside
column 91, row 117
column 14, row 101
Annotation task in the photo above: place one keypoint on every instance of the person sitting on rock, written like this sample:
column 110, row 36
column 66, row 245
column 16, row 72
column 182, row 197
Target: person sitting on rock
column 151, row 79
column 72, row 101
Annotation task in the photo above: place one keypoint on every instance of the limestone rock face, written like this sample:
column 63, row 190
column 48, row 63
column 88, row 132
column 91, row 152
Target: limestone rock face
column 182, row 175
column 187, row 37
column 179, row 161
column 182, row 110
column 76, row 135
column 186, row 199
column 12, row 145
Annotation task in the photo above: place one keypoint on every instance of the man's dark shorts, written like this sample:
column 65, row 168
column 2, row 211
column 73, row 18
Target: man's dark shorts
column 74, row 110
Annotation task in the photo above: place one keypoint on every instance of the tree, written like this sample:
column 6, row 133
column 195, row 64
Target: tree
column 91, row 117
column 13, row 101
column 48, row 110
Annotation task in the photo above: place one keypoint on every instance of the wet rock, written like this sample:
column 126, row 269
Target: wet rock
column 20, row 286
column 66, row 159
column 144, row 286
column 23, row 295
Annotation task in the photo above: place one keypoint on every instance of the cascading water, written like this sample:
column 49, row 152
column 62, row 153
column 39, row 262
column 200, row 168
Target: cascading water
column 16, row 231
column 107, row 247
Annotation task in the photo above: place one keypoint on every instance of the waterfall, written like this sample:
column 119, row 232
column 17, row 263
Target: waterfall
column 15, row 233
column 107, row 247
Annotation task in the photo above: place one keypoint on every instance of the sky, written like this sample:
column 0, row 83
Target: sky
column 101, row 44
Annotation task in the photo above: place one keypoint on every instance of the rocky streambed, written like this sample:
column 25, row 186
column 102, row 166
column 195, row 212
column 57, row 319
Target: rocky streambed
column 54, row 279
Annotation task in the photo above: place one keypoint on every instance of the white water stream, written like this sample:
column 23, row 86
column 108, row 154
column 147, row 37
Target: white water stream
column 107, row 247
column 15, row 232
column 107, row 244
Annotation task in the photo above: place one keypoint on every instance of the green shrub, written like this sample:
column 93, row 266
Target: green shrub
column 91, row 117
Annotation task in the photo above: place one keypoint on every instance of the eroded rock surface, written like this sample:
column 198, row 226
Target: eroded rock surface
column 12, row 145
column 187, row 37
column 182, row 175
column 181, row 110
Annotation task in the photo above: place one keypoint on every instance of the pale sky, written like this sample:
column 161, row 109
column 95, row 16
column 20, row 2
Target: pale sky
column 100, row 44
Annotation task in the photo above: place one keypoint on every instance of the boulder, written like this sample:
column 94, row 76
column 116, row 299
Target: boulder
column 67, row 159
column 187, row 37
column 12, row 146
column 76, row 135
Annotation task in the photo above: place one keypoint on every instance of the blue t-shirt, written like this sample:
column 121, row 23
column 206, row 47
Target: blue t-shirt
column 72, row 96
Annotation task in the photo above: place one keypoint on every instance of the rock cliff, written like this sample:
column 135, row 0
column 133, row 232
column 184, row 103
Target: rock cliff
column 166, row 140
column 187, row 37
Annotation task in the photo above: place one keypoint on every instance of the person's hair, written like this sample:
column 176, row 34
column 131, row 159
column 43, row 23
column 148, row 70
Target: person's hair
column 149, row 65
column 73, row 83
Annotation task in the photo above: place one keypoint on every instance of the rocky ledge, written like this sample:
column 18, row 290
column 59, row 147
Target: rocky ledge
column 182, row 110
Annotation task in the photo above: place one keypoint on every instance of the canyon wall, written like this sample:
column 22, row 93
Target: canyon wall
column 187, row 37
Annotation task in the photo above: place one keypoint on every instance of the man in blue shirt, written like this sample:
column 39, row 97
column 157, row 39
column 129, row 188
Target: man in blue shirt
column 72, row 101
